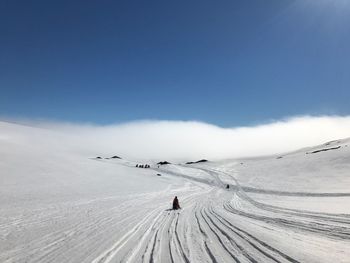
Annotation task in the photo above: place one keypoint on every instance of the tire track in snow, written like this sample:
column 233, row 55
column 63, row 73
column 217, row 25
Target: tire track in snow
column 319, row 224
column 109, row 254
column 204, row 237
column 234, row 242
column 325, row 229
column 213, row 259
column 179, row 242
column 236, row 230
column 233, row 256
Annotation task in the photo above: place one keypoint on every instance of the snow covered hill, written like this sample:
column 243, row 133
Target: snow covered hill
column 58, row 203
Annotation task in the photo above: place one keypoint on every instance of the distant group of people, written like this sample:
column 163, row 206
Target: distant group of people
column 143, row 166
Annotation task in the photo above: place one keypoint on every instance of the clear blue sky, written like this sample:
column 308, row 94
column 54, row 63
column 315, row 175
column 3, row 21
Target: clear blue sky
column 223, row 62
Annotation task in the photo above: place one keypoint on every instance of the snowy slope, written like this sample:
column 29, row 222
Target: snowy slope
column 58, row 203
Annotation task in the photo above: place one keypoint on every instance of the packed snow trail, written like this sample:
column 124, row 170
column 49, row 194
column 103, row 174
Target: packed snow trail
column 216, row 225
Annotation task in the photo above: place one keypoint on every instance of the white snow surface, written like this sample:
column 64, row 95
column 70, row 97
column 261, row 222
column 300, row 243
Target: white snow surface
column 58, row 203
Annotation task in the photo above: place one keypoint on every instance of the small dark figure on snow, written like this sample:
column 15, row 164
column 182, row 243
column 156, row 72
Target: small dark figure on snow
column 176, row 204
column 228, row 186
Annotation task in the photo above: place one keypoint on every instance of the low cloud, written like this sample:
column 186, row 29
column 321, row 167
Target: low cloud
column 180, row 140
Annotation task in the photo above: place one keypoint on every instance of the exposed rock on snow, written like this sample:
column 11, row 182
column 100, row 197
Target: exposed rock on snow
column 200, row 161
column 324, row 150
column 163, row 163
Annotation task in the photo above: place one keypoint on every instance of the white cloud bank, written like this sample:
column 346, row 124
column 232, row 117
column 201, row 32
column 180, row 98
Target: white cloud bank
column 170, row 140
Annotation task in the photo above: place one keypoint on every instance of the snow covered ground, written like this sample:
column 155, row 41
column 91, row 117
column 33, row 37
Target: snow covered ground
column 60, row 204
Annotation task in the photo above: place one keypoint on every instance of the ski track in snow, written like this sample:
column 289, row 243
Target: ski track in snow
column 214, row 225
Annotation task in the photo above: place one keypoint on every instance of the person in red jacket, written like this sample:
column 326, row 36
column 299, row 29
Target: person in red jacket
column 176, row 204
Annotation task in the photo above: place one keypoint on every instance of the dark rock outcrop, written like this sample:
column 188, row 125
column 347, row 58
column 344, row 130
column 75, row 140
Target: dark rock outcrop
column 163, row 163
column 200, row 161
column 324, row 150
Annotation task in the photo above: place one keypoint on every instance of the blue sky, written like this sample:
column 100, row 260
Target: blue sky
column 229, row 63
